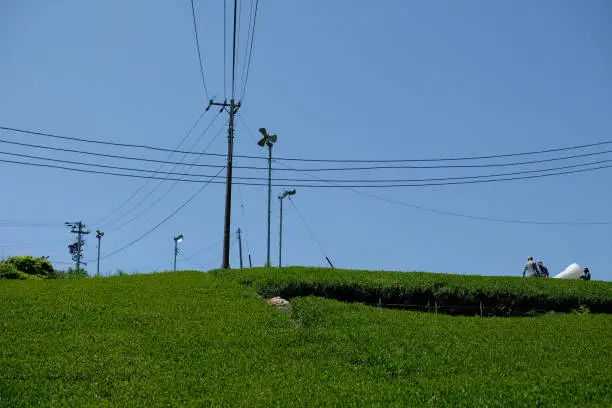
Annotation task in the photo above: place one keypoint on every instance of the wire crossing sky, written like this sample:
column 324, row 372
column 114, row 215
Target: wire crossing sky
column 472, row 113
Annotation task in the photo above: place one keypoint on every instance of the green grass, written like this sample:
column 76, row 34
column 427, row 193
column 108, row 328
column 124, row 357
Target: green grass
column 502, row 295
column 441, row 360
column 190, row 339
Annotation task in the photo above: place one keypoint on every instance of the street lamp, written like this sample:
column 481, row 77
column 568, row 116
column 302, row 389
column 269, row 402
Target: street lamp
column 268, row 140
column 178, row 239
column 280, row 238
column 99, row 235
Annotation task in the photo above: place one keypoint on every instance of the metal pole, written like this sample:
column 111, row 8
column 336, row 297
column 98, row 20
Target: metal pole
column 250, row 263
column 228, row 188
column 240, row 246
column 269, row 198
column 98, row 268
column 280, row 238
column 80, row 230
column 175, row 252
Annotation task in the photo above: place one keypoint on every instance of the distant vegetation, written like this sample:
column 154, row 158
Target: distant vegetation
column 72, row 274
column 32, row 268
column 445, row 293
column 26, row 268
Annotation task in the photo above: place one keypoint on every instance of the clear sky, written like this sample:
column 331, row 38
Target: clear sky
column 334, row 79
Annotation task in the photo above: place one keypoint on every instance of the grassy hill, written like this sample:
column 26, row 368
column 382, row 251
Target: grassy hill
column 193, row 339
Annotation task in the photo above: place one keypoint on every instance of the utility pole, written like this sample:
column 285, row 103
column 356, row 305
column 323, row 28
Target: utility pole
column 268, row 141
column 232, row 108
column 99, row 235
column 76, row 249
column 280, row 238
column 240, row 245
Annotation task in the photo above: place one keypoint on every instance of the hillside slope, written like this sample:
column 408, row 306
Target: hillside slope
column 191, row 339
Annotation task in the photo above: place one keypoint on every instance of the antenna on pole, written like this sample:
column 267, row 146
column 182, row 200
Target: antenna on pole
column 268, row 141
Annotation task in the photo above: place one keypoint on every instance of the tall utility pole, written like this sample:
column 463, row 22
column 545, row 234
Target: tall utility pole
column 76, row 249
column 280, row 238
column 268, row 141
column 99, row 235
column 233, row 109
column 240, row 245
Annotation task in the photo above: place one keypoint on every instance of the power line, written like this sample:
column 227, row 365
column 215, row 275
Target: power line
column 491, row 165
column 468, row 216
column 112, row 156
column 160, row 182
column 234, row 50
column 202, row 251
column 195, row 29
column 443, row 159
column 161, row 197
column 462, row 158
column 143, row 185
column 250, row 45
column 172, row 214
column 326, row 180
column 101, row 142
column 308, row 228
column 224, row 48
column 315, row 185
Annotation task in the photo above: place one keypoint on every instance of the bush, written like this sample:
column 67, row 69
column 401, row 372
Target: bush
column 8, row 271
column 453, row 294
column 32, row 266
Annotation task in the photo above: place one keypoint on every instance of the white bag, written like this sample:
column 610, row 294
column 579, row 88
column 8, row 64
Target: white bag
column 574, row 271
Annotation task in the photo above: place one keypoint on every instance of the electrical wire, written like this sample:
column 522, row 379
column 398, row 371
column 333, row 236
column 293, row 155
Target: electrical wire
column 459, row 158
column 234, row 50
column 329, row 185
column 161, row 197
column 143, row 185
column 160, row 182
column 195, row 29
column 327, row 180
column 112, row 156
column 474, row 166
column 250, row 45
column 172, row 214
column 225, row 48
column 29, row 224
column 210, row 248
column 308, row 227
column 468, row 216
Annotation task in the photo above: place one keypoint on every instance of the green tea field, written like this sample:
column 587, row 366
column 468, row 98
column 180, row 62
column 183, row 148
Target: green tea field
column 195, row 339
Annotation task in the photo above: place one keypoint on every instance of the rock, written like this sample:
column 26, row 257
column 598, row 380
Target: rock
column 278, row 301
column 280, row 304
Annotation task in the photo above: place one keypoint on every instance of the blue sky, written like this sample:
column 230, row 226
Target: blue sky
column 342, row 79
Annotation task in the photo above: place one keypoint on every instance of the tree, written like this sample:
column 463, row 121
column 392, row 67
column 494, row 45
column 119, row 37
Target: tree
column 28, row 265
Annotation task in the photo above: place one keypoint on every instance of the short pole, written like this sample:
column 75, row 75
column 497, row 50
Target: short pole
column 175, row 253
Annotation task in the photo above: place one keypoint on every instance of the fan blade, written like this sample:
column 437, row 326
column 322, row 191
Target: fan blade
column 263, row 132
column 262, row 142
column 273, row 138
